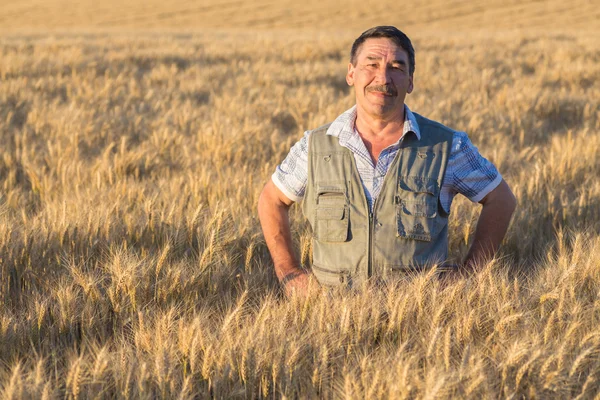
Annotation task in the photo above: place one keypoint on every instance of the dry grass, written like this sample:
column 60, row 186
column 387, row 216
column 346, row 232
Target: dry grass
column 418, row 15
column 131, row 259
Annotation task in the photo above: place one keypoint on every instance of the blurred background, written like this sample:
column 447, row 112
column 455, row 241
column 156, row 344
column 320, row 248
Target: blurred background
column 414, row 16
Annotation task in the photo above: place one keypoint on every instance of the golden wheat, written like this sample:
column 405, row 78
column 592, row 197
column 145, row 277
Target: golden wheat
column 131, row 260
column 180, row 15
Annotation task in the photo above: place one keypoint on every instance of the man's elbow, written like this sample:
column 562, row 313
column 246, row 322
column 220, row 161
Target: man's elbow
column 509, row 199
column 512, row 202
column 507, row 203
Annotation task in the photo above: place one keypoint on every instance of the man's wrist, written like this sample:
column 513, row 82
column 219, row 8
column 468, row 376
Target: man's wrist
column 291, row 276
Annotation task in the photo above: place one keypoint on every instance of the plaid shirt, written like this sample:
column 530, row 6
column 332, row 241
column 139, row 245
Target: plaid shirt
column 467, row 172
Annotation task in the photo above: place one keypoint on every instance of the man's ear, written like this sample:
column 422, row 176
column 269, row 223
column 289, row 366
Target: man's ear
column 350, row 75
column 410, row 85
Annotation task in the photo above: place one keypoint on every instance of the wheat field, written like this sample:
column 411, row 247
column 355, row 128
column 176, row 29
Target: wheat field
column 135, row 139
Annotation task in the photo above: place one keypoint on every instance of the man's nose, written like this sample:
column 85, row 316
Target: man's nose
column 383, row 74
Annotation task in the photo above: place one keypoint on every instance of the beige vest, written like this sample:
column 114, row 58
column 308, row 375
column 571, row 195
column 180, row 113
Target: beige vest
column 408, row 228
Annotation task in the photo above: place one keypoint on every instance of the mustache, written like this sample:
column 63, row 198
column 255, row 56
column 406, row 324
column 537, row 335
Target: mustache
column 385, row 89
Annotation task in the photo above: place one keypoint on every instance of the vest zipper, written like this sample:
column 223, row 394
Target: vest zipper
column 370, row 255
column 372, row 226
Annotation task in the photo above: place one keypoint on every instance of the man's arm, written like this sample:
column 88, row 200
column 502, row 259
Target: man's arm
column 498, row 207
column 273, row 212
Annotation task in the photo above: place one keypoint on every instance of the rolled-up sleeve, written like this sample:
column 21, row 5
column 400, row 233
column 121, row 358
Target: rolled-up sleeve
column 292, row 174
column 471, row 174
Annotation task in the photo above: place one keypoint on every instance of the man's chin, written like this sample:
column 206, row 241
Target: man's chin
column 385, row 110
column 384, row 102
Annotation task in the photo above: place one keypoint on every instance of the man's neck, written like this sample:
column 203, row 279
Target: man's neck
column 379, row 128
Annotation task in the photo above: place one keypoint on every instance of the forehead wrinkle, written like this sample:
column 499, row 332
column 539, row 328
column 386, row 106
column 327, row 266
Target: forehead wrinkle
column 376, row 51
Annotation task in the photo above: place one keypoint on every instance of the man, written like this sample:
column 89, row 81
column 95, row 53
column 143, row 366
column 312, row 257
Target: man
column 378, row 182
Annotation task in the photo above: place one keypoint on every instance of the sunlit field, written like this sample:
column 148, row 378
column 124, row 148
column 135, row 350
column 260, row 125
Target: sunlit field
column 132, row 264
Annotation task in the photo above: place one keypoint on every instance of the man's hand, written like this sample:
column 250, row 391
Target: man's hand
column 498, row 207
column 296, row 283
column 273, row 212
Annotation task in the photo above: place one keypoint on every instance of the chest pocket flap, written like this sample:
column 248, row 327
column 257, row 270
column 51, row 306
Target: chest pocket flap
column 331, row 220
column 335, row 213
column 417, row 184
column 417, row 205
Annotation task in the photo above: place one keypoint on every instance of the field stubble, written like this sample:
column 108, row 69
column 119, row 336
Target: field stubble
column 132, row 263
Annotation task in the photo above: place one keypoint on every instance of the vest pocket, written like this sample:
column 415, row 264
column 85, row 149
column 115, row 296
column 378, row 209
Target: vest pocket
column 328, row 277
column 331, row 220
column 417, row 208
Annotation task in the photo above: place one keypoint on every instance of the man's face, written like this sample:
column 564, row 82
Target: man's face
column 381, row 78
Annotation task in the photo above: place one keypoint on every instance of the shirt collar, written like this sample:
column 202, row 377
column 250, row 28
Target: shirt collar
column 343, row 126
